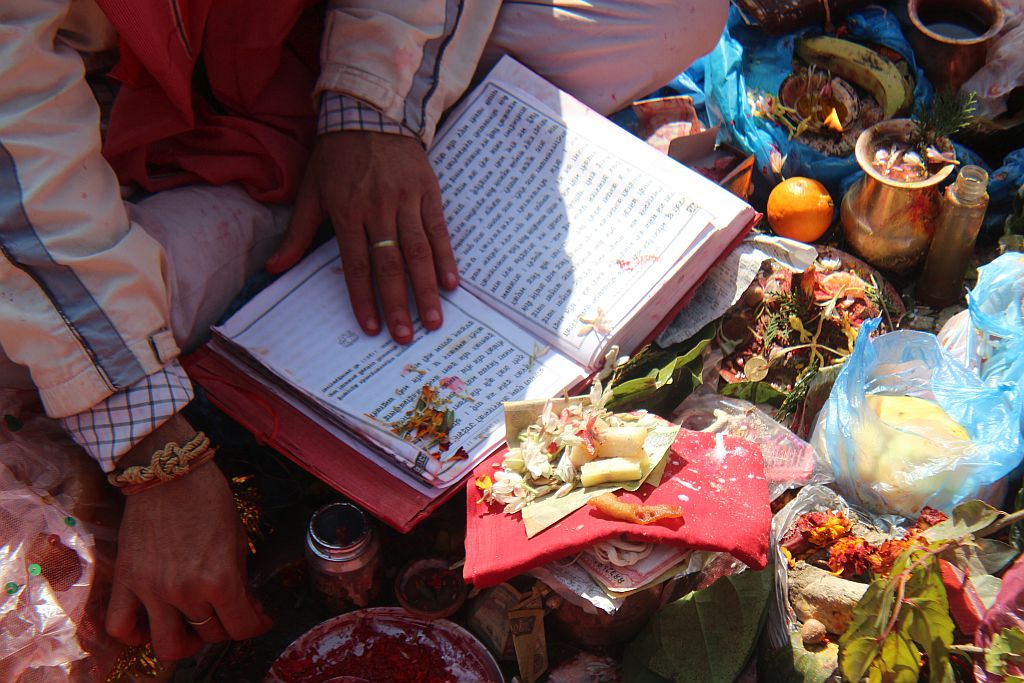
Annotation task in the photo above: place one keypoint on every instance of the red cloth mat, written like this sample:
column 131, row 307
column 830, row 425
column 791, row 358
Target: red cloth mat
column 719, row 482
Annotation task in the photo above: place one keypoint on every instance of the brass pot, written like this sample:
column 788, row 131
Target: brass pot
column 887, row 222
column 951, row 37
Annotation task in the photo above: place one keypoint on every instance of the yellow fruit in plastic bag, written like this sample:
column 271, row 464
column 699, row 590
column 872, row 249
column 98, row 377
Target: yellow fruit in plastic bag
column 909, row 457
column 918, row 416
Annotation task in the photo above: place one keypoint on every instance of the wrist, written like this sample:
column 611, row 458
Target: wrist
column 169, row 454
column 197, row 476
column 176, row 429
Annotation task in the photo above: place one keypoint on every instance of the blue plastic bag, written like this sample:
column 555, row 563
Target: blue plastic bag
column 746, row 58
column 1002, row 187
column 885, row 469
column 996, row 306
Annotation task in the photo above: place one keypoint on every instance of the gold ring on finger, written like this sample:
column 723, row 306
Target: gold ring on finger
column 202, row 622
column 384, row 243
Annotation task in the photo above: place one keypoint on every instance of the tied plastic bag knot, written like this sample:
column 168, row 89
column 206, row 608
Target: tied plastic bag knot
column 906, row 425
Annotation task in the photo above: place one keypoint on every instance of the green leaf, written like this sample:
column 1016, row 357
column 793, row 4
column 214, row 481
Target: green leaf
column 995, row 555
column 967, row 518
column 859, row 645
column 755, row 392
column 709, row 635
column 923, row 623
column 987, row 587
column 1017, row 530
column 659, row 379
column 928, row 621
column 898, row 662
column 654, row 657
column 1007, row 648
column 856, row 655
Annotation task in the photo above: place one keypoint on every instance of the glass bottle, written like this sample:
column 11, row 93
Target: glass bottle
column 343, row 555
column 963, row 210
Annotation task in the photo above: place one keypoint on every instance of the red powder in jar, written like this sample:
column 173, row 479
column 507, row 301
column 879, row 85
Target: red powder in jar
column 398, row 657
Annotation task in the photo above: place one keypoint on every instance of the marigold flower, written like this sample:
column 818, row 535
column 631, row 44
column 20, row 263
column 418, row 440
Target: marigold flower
column 823, row 528
column 849, row 556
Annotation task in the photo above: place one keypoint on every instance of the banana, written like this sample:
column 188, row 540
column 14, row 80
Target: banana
column 859, row 65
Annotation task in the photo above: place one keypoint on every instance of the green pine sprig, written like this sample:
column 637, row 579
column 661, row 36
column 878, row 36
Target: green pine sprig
column 949, row 113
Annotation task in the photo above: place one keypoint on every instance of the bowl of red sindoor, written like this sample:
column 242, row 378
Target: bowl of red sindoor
column 430, row 588
column 385, row 645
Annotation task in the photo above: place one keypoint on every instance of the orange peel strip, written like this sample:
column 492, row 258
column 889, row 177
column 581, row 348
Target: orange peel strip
column 611, row 505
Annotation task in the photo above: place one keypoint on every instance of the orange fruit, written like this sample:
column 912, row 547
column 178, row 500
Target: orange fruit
column 800, row 209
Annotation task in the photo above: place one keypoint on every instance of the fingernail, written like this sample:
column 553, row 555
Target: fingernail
column 371, row 326
column 402, row 331
column 451, row 280
column 432, row 316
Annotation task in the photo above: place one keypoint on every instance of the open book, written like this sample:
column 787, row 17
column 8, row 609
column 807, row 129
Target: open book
column 571, row 235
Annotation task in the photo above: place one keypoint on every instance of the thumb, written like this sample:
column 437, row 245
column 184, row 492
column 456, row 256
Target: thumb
column 307, row 215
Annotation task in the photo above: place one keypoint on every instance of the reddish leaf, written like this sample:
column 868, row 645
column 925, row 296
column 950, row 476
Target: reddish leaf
column 964, row 603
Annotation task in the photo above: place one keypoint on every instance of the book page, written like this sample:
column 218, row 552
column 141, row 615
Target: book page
column 303, row 331
column 561, row 219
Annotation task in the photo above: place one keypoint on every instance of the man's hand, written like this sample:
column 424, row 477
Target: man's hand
column 377, row 189
column 181, row 556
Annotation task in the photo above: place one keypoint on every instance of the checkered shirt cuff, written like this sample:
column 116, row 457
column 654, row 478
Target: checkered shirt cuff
column 344, row 112
column 109, row 429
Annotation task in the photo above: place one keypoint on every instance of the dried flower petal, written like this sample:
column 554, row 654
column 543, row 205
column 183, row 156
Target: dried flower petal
column 850, row 556
column 822, row 528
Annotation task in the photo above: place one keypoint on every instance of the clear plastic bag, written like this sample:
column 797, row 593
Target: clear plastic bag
column 46, row 570
column 781, row 617
column 789, row 461
column 885, row 469
column 58, row 525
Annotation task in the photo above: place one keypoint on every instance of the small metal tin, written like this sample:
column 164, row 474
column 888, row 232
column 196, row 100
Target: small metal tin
column 343, row 556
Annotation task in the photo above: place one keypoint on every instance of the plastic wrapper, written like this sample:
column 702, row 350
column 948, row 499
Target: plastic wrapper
column 783, row 16
column 58, row 524
column 1003, row 188
column 960, row 339
column 789, row 461
column 988, row 337
column 885, row 469
column 1004, row 65
column 46, row 569
column 781, row 618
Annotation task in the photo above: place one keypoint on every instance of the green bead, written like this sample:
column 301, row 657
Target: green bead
column 35, row 569
column 70, row 521
column 11, row 588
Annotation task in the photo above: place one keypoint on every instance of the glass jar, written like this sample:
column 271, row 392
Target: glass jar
column 343, row 556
